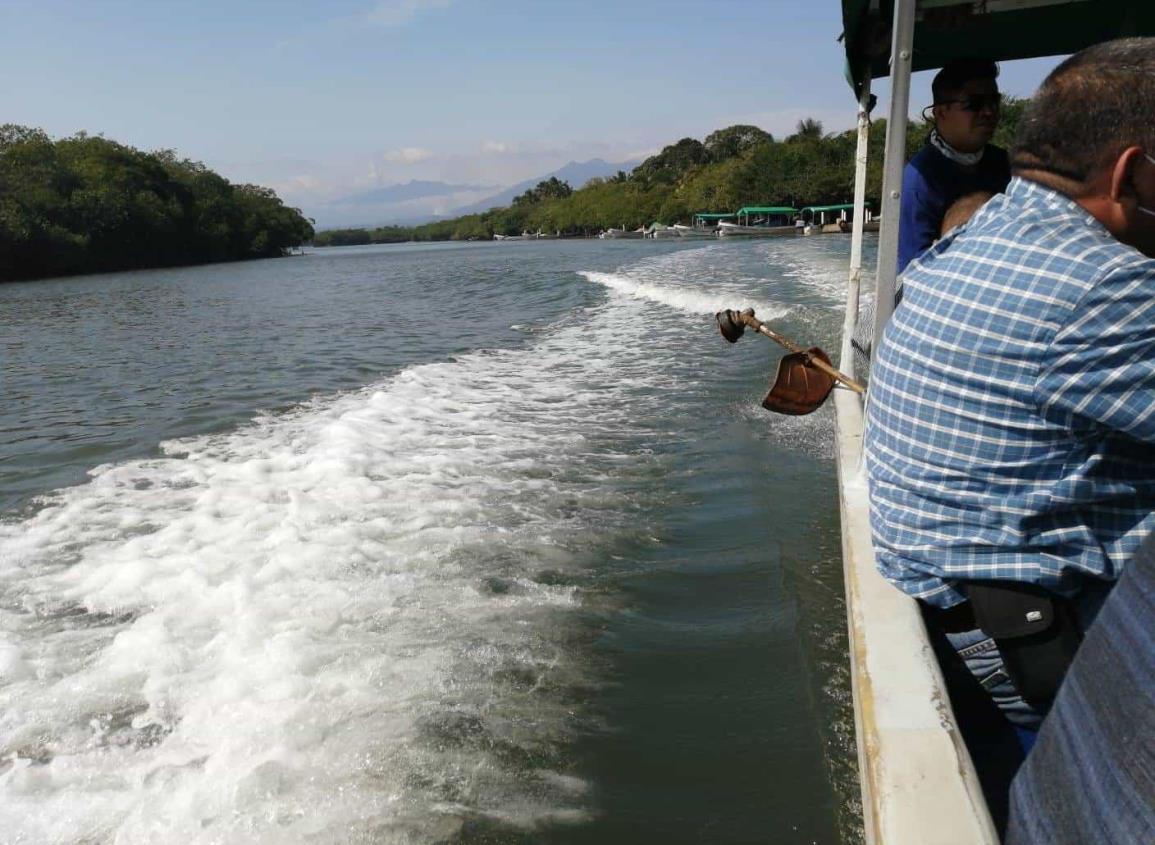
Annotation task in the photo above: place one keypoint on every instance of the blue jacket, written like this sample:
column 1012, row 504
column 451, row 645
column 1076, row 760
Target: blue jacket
column 931, row 183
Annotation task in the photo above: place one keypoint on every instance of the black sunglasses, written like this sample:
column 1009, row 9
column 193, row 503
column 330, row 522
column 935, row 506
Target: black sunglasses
column 976, row 102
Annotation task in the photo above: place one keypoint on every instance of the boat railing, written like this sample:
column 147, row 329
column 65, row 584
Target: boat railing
column 918, row 781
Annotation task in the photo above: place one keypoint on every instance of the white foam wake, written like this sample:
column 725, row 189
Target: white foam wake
column 351, row 622
column 328, row 626
column 818, row 265
column 691, row 300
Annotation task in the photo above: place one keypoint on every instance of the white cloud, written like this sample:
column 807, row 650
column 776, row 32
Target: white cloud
column 398, row 12
column 498, row 147
column 316, row 186
column 407, row 155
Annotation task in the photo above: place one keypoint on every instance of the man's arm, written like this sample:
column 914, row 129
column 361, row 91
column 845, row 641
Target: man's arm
column 919, row 218
column 1100, row 366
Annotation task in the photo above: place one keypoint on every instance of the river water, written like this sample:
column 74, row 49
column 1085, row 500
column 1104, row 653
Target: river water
column 422, row 544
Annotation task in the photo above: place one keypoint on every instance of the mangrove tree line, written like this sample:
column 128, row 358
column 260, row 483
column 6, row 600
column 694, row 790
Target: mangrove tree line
column 85, row 204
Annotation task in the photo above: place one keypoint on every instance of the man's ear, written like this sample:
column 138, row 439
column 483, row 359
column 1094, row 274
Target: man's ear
column 1122, row 174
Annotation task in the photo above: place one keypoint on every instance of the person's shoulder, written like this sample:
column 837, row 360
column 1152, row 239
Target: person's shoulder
column 1045, row 235
column 997, row 160
column 1121, row 271
column 924, row 172
column 926, row 159
column 997, row 153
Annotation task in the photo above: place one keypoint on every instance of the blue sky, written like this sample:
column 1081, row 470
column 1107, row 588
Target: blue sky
column 322, row 100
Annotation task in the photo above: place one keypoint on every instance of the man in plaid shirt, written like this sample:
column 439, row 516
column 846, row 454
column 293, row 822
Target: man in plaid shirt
column 1011, row 420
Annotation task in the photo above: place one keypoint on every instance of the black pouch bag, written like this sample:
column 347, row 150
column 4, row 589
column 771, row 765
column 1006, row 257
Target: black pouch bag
column 1035, row 630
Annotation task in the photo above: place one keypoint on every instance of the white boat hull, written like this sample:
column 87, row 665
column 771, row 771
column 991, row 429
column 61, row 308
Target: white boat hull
column 694, row 231
column 732, row 230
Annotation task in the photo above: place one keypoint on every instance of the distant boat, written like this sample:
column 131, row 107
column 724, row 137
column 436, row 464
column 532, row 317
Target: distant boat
column 707, row 223
column 694, row 231
column 615, row 234
column 660, row 230
column 524, row 236
column 760, row 221
column 818, row 222
column 730, row 230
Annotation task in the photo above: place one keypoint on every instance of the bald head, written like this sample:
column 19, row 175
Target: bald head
column 1089, row 133
column 1089, row 109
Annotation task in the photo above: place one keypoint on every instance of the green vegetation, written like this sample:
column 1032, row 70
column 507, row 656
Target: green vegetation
column 89, row 205
column 733, row 167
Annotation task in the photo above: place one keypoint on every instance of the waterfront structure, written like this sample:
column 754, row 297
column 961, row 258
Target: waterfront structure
column 760, row 221
column 827, row 219
column 710, row 220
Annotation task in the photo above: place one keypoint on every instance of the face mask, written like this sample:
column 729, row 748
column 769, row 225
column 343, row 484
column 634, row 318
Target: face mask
column 1141, row 208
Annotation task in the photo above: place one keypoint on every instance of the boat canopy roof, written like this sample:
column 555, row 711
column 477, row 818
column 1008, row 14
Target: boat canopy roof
column 712, row 216
column 766, row 209
column 844, row 207
column 1000, row 30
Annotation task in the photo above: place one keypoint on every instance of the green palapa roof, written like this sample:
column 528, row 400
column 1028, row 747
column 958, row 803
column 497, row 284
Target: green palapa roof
column 993, row 29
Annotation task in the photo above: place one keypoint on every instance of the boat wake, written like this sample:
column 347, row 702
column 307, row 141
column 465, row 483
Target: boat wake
column 816, row 265
column 686, row 282
column 361, row 620
column 353, row 621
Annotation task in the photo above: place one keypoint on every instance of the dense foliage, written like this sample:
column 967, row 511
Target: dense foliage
column 736, row 166
column 87, row 204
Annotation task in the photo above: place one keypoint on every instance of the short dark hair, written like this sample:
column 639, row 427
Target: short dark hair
column 950, row 80
column 1089, row 109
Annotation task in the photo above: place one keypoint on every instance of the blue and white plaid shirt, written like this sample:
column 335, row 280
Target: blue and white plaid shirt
column 1011, row 421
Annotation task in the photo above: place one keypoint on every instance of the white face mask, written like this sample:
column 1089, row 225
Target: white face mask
column 1141, row 208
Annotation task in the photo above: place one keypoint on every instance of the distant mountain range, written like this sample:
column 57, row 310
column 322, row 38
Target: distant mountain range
column 412, row 190
column 577, row 173
column 422, row 201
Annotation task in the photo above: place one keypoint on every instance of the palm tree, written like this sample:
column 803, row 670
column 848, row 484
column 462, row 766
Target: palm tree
column 809, row 129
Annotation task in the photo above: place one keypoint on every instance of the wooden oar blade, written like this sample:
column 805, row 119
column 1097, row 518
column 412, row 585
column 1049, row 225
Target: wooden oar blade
column 799, row 387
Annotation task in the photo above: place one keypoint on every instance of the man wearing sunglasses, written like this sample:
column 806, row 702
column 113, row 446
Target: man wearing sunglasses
column 958, row 158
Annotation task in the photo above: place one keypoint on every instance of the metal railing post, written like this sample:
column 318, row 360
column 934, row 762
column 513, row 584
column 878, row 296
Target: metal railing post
column 854, row 282
column 900, row 63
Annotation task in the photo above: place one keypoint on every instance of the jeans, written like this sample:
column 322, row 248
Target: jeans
column 982, row 659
